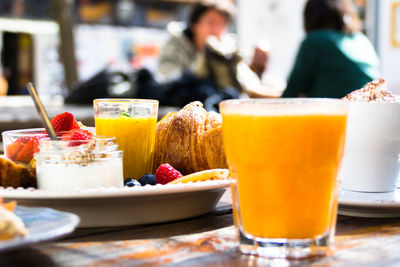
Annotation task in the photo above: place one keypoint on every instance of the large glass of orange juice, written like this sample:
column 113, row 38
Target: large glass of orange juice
column 133, row 122
column 285, row 155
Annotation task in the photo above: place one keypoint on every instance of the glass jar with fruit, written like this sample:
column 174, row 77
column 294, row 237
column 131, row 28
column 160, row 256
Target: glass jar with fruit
column 20, row 145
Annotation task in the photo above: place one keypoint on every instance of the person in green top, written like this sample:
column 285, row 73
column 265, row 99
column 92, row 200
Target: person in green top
column 335, row 58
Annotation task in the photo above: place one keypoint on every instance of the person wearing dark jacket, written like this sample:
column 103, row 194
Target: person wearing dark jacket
column 335, row 58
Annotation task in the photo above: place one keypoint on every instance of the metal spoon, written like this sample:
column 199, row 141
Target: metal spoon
column 42, row 112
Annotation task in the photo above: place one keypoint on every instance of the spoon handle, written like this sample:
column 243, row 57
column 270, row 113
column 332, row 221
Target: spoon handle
column 42, row 112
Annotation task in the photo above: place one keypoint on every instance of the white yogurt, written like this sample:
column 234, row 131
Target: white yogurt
column 59, row 176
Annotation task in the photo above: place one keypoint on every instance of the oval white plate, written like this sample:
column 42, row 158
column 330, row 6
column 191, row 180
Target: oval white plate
column 43, row 224
column 129, row 205
column 363, row 204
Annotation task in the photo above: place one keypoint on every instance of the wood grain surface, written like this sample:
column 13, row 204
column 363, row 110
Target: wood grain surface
column 208, row 240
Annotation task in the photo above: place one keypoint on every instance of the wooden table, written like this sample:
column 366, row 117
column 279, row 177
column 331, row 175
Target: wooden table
column 207, row 240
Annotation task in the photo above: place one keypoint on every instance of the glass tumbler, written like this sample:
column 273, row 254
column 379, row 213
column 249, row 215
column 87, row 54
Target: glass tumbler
column 133, row 122
column 284, row 156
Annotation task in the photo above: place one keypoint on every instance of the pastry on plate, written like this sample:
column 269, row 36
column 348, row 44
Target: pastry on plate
column 10, row 224
column 190, row 140
column 16, row 175
column 214, row 174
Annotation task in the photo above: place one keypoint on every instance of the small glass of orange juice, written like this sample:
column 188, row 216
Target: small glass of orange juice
column 284, row 155
column 133, row 122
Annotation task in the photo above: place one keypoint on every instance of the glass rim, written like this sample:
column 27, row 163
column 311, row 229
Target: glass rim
column 58, row 148
column 95, row 137
column 24, row 132
column 125, row 100
column 373, row 103
column 284, row 106
column 298, row 100
column 36, row 132
column 51, row 157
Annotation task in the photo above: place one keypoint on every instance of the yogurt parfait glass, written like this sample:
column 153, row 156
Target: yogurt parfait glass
column 79, row 164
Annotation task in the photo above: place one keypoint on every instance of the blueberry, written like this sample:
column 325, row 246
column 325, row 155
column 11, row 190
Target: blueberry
column 148, row 179
column 132, row 182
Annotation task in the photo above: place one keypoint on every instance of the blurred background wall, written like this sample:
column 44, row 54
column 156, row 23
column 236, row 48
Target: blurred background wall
column 384, row 30
column 128, row 34
column 277, row 22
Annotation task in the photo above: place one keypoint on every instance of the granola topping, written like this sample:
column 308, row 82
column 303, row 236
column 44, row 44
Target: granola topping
column 58, row 152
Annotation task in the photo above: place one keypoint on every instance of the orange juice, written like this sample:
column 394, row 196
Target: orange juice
column 135, row 137
column 286, row 168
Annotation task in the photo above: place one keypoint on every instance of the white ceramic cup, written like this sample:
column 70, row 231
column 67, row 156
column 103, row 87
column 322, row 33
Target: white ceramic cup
column 371, row 158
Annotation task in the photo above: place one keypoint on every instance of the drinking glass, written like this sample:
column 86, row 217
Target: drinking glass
column 284, row 156
column 79, row 164
column 133, row 122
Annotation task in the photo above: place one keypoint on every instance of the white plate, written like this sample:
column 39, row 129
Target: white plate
column 43, row 224
column 376, row 205
column 129, row 205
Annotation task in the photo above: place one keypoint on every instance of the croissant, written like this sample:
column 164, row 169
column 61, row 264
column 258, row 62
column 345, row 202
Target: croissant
column 190, row 140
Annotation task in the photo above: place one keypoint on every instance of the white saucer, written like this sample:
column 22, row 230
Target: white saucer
column 374, row 205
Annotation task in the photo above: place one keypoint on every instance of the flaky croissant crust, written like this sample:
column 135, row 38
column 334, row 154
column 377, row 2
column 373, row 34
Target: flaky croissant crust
column 190, row 140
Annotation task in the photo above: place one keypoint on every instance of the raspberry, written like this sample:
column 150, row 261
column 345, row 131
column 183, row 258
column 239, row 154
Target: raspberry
column 36, row 142
column 64, row 122
column 166, row 173
column 78, row 138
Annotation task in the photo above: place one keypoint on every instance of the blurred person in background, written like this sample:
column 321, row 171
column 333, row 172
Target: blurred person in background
column 335, row 58
column 206, row 50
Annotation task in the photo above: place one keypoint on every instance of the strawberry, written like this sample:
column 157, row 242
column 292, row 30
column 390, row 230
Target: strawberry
column 166, row 173
column 67, row 136
column 78, row 137
column 75, row 125
column 26, row 153
column 13, row 149
column 16, row 147
column 24, row 139
column 36, row 141
column 89, row 133
column 64, row 122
